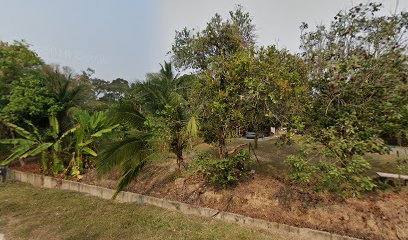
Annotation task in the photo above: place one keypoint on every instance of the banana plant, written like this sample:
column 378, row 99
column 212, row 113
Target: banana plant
column 32, row 143
column 91, row 127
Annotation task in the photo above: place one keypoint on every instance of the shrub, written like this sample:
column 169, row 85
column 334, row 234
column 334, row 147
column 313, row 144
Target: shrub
column 402, row 165
column 325, row 174
column 227, row 171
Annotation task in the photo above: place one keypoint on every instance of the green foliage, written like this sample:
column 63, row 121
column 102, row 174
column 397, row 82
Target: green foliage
column 300, row 169
column 272, row 91
column 52, row 145
column 210, row 53
column 347, row 91
column 91, row 127
column 32, row 143
column 23, row 90
column 156, row 121
column 357, row 81
column 133, row 148
column 220, row 39
column 28, row 98
column 16, row 62
column 164, row 96
column 402, row 165
column 111, row 92
column 357, row 71
column 317, row 166
column 69, row 91
column 224, row 172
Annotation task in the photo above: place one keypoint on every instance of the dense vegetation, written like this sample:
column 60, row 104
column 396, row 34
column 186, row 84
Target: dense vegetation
column 344, row 95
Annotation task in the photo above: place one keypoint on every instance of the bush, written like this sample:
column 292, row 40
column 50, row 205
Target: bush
column 227, row 171
column 325, row 175
column 402, row 165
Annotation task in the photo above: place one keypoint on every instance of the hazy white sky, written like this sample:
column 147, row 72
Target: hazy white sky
column 127, row 38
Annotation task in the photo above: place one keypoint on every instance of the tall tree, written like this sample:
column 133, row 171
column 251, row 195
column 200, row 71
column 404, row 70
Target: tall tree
column 273, row 91
column 208, row 53
column 164, row 95
column 23, row 86
column 67, row 91
column 157, row 118
column 358, row 76
column 115, row 91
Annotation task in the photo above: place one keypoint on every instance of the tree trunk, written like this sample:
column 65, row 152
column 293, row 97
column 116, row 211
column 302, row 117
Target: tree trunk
column 178, row 148
column 180, row 159
column 221, row 148
column 256, row 138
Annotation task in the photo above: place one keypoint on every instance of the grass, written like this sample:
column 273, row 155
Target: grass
column 35, row 213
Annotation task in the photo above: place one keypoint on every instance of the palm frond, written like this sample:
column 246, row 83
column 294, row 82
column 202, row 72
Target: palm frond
column 128, row 114
column 128, row 176
column 90, row 151
column 136, row 145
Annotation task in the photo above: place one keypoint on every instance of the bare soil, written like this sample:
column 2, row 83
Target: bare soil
column 380, row 215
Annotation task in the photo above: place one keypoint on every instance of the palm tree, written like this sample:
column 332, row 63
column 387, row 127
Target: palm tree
column 162, row 98
column 164, row 95
column 67, row 91
column 161, row 88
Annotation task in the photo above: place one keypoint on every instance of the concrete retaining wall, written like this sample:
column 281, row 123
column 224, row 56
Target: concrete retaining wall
column 105, row 193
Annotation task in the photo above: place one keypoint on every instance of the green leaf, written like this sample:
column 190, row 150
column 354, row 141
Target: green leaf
column 17, row 153
column 86, row 143
column 90, row 151
column 68, row 132
column 54, row 126
column 21, row 131
column 16, row 141
column 37, row 150
column 103, row 131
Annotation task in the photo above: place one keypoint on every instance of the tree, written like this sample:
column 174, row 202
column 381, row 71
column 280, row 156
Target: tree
column 115, row 91
column 15, row 60
column 358, row 81
column 23, row 86
column 67, row 91
column 159, row 121
column 160, row 89
column 357, row 72
column 164, row 96
column 272, row 88
column 208, row 53
column 99, row 87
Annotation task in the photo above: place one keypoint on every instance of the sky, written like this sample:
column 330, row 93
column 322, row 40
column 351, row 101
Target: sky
column 129, row 38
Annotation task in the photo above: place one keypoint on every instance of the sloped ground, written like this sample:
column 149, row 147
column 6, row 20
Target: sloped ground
column 382, row 215
column 268, row 195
